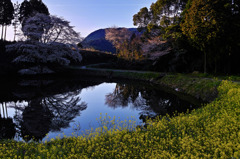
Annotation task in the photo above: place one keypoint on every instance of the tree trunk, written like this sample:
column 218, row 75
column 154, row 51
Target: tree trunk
column 5, row 35
column 14, row 37
column 15, row 32
column 205, row 62
column 215, row 69
column 3, row 111
column 2, row 31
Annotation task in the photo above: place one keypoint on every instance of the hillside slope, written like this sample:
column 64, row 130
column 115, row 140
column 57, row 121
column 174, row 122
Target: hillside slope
column 97, row 41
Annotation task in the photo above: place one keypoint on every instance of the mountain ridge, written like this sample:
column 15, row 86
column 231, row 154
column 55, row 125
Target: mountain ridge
column 97, row 40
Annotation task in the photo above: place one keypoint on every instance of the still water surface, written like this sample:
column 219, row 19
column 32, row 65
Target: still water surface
column 33, row 108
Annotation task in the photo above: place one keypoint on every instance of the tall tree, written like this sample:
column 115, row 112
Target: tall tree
column 50, row 29
column 161, row 13
column 16, row 21
column 160, row 24
column 209, row 24
column 200, row 25
column 25, row 10
column 228, row 22
column 30, row 8
column 6, row 16
column 142, row 18
column 46, row 46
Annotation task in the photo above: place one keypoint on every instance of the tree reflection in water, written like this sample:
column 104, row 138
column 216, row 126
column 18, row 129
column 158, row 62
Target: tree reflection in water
column 150, row 102
column 36, row 120
column 64, row 107
column 122, row 95
column 43, row 106
column 42, row 115
column 7, row 127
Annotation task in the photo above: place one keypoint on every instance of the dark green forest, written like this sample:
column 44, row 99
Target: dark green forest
column 202, row 34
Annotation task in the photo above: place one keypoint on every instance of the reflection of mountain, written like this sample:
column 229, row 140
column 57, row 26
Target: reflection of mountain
column 150, row 102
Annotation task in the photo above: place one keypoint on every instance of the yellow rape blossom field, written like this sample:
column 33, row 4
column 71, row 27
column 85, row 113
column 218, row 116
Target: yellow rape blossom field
column 212, row 131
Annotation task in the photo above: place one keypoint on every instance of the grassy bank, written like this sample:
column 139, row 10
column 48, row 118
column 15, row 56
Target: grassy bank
column 196, row 85
column 209, row 132
column 201, row 88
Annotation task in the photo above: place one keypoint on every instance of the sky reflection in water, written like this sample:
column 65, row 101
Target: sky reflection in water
column 65, row 110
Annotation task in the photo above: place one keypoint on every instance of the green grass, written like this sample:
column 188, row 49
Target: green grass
column 212, row 131
column 220, row 77
column 202, row 88
column 197, row 85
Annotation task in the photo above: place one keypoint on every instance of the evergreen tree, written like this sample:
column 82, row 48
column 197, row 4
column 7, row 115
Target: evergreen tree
column 25, row 10
column 39, row 7
column 142, row 18
column 6, row 16
column 30, row 8
column 210, row 25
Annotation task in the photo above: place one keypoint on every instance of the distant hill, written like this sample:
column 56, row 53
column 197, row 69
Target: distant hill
column 97, row 41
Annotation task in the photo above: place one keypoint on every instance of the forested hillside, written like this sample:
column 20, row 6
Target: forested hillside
column 97, row 40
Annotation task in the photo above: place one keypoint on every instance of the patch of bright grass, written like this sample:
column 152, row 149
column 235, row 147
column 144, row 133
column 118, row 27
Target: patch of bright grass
column 203, row 88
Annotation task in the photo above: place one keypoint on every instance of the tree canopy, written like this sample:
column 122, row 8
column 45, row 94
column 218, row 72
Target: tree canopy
column 161, row 13
column 210, row 26
column 30, row 8
column 49, row 29
column 51, row 41
column 6, row 15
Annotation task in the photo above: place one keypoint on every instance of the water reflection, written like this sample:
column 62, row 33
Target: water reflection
column 150, row 102
column 7, row 127
column 122, row 95
column 39, row 107
column 40, row 111
column 35, row 121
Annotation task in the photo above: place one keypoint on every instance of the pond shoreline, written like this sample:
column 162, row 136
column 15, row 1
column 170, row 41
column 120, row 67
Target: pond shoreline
column 203, row 89
column 183, row 85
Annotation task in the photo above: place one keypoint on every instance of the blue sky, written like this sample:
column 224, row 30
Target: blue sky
column 90, row 15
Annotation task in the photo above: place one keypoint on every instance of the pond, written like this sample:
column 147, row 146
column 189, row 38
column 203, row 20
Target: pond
column 47, row 108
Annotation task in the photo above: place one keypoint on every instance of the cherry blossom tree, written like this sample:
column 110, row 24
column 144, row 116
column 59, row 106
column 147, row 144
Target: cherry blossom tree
column 118, row 36
column 49, row 29
column 126, row 42
column 49, row 41
column 61, row 31
column 36, row 26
